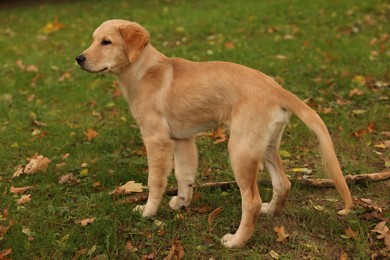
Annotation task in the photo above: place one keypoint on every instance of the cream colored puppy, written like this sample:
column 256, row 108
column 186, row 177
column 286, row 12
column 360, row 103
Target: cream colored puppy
column 172, row 99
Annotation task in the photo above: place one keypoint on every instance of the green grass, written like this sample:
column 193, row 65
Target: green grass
column 314, row 48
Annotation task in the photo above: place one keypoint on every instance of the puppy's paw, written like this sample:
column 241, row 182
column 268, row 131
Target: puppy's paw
column 266, row 208
column 229, row 241
column 177, row 203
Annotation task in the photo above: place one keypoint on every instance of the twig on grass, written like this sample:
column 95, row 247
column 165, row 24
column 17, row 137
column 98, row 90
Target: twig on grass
column 319, row 183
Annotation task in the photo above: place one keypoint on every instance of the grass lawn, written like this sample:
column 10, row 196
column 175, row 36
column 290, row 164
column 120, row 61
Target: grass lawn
column 333, row 54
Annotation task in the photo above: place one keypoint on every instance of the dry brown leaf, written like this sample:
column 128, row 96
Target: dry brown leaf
column 213, row 216
column 351, row 234
column 85, row 222
column 91, row 134
column 129, row 187
column 355, row 91
column 5, row 252
column 20, row 190
column 20, row 64
column 65, row 156
column 282, row 235
column 32, row 68
column 343, row 256
column 68, row 178
column 219, row 135
column 24, row 199
column 129, row 247
column 4, row 229
column 176, row 252
column 65, row 77
column 37, row 164
column 18, row 171
column 384, row 233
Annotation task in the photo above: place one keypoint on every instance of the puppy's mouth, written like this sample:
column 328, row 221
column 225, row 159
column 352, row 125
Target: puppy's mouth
column 106, row 69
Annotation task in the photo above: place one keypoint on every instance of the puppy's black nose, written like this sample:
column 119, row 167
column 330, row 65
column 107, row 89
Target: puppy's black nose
column 80, row 59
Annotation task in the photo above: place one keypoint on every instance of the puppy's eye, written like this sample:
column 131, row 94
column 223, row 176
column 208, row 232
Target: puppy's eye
column 105, row 42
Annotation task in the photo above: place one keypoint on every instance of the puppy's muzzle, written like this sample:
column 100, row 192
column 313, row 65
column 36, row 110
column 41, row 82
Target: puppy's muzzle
column 80, row 59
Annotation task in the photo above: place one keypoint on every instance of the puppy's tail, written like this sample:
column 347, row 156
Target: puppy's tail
column 313, row 121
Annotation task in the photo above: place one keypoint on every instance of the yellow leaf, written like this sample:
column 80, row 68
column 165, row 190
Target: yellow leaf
column 52, row 27
column 284, row 154
column 84, row 171
column 302, row 170
column 359, row 80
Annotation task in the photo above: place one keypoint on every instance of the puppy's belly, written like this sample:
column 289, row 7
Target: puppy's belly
column 184, row 131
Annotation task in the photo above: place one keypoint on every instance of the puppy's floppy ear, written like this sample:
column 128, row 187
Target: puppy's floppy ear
column 135, row 38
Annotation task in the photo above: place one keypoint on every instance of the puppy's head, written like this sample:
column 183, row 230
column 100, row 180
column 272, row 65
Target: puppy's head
column 116, row 44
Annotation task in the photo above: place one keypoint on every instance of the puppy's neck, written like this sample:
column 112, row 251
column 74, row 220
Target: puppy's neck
column 133, row 73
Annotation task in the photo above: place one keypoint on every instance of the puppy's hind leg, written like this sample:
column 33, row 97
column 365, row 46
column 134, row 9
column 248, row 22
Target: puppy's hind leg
column 273, row 162
column 245, row 162
column 186, row 164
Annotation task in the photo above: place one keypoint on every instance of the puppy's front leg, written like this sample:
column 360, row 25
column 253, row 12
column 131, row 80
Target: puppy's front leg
column 159, row 151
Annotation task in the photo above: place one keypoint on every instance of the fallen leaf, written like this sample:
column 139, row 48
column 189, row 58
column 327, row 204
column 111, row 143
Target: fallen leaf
column 24, row 199
column 282, row 235
column 20, row 190
column 359, row 80
column 65, row 77
column 149, row 256
column 37, row 164
column 355, row 91
column 52, row 27
column 92, row 250
column 281, row 57
column 5, row 252
column 4, row 229
column 273, row 254
column 68, row 178
column 319, row 208
column 229, row 45
column 79, row 253
column 343, row 256
column 301, row 170
column 28, row 233
column 129, row 247
column 284, row 154
column 18, row 171
column 65, row 156
column 351, row 234
column 91, row 134
column 32, row 68
column 219, row 135
column 129, row 187
column 213, row 216
column 384, row 233
column 20, row 64
column 85, row 222
column 176, row 252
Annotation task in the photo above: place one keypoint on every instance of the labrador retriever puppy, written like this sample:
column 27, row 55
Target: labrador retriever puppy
column 172, row 99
